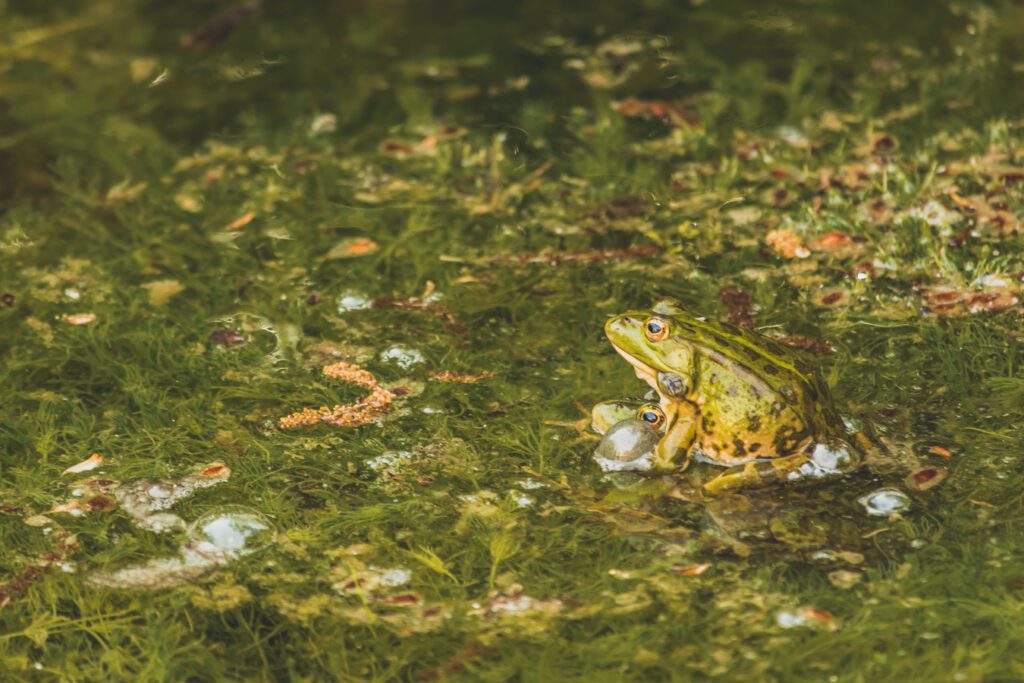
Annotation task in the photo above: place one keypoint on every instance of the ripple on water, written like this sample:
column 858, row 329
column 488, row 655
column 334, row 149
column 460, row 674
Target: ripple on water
column 884, row 502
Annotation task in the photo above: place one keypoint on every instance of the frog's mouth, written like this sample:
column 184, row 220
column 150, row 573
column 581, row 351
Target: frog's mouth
column 642, row 370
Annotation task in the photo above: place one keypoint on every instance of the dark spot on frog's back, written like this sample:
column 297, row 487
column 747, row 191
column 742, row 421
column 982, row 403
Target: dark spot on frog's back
column 753, row 422
column 752, row 354
column 754, row 447
column 770, row 369
column 706, row 424
column 739, row 448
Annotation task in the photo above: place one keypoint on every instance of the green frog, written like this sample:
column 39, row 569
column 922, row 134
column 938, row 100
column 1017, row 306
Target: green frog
column 734, row 396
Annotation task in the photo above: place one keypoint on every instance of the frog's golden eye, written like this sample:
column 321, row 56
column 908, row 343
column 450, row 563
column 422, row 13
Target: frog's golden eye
column 652, row 415
column 655, row 329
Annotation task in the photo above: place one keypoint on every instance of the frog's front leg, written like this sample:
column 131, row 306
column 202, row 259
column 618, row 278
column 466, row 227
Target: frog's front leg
column 680, row 435
column 823, row 460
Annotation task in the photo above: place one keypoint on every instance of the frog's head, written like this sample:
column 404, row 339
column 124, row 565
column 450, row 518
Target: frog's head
column 652, row 343
column 607, row 414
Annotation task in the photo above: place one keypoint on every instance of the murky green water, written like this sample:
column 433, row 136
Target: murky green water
column 197, row 214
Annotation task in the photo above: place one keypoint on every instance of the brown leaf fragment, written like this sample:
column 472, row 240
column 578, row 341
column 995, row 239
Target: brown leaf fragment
column 352, row 248
column 627, row 206
column 241, row 221
column 457, row 378
column 926, row 478
column 414, row 303
column 90, row 463
column 598, row 256
column 832, row 241
column 785, row 242
column 666, row 112
column 100, row 503
column 831, row 297
column 878, row 143
column 819, row 347
column 216, row 469
column 64, row 544
column 80, row 318
column 940, row 451
column 217, row 28
column 983, row 302
column 739, row 307
column 226, row 337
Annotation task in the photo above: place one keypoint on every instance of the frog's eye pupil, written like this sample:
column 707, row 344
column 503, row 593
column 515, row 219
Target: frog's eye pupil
column 654, row 327
column 649, row 416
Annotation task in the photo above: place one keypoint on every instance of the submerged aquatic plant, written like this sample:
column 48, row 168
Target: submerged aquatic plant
column 187, row 230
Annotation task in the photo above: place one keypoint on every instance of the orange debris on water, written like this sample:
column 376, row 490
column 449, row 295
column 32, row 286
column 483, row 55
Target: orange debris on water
column 216, row 469
column 241, row 221
column 458, row 378
column 787, row 243
column 366, row 409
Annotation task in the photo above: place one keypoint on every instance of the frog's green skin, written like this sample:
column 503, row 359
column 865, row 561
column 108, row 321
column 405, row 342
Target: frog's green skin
column 754, row 398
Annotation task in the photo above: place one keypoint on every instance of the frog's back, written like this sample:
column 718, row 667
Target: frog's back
column 755, row 388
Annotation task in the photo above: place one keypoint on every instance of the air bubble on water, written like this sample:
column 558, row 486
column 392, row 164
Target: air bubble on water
column 351, row 300
column 213, row 540
column 827, row 460
column 390, row 578
column 159, row 491
column 628, row 445
column 140, row 499
column 884, row 502
column 790, row 619
column 163, row 572
column 403, row 356
column 522, row 500
column 162, row 522
column 232, row 530
column 388, row 460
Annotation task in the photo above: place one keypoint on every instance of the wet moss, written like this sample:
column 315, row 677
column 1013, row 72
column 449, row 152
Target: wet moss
column 178, row 226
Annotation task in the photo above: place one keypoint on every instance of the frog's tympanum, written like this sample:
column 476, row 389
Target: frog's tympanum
column 734, row 396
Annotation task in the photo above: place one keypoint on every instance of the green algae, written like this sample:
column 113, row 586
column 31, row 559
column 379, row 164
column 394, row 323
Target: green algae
column 524, row 172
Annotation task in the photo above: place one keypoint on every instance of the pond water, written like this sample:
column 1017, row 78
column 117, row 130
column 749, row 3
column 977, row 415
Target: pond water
column 301, row 324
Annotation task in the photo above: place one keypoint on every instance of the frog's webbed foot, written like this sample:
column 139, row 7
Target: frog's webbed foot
column 823, row 461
